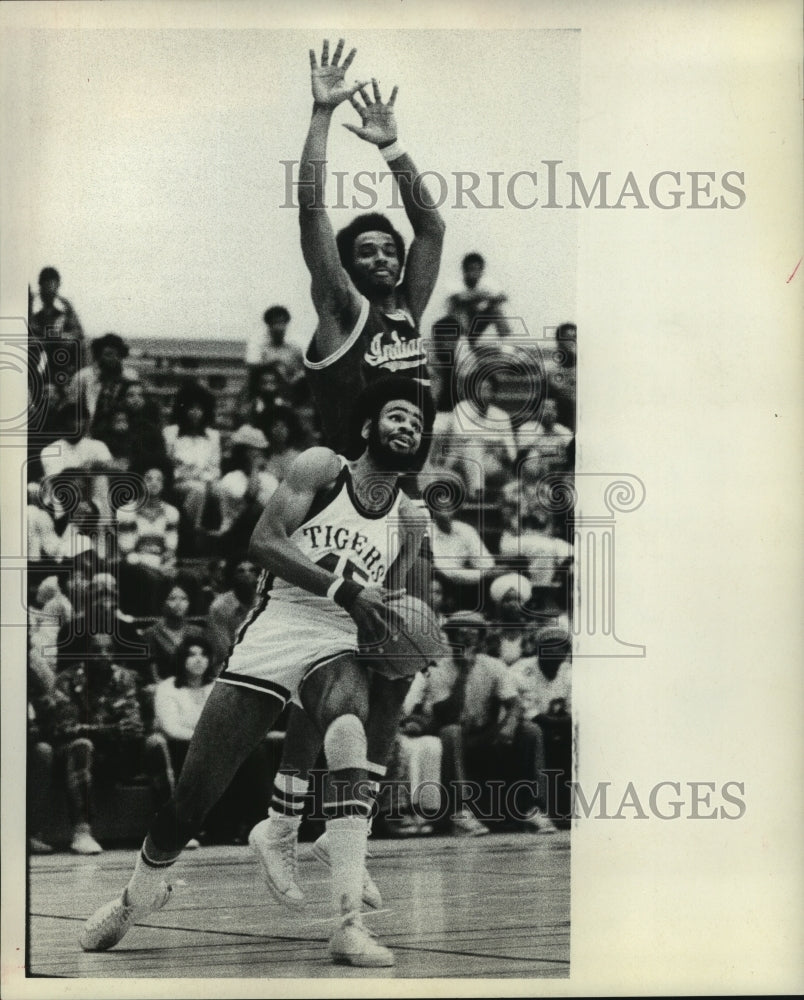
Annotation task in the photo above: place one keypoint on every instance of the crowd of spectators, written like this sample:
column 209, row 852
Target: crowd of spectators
column 139, row 517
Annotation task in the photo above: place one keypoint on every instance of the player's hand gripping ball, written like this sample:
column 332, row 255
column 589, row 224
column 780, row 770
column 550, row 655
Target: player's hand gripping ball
column 413, row 641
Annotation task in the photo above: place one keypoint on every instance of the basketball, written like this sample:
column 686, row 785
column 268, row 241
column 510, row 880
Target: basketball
column 414, row 640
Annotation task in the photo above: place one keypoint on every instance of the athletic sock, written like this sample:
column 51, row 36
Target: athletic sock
column 149, row 873
column 346, row 840
column 376, row 772
column 289, row 797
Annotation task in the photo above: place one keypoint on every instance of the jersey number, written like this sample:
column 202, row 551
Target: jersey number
column 343, row 566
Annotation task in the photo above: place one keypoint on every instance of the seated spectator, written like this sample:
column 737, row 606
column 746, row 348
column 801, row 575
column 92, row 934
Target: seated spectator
column 41, row 720
column 116, row 433
column 194, row 448
column 179, row 700
column 228, row 610
column 53, row 324
column 286, row 441
column 169, row 631
column 459, row 553
column 545, row 445
column 146, row 426
column 78, row 452
column 50, row 613
column 509, row 595
column 100, row 733
column 264, row 391
column 147, row 538
column 480, row 444
column 544, row 684
column 97, row 609
column 530, row 540
column 43, row 542
column 245, row 488
column 417, row 766
column 561, row 373
column 99, row 387
column 477, row 713
column 271, row 348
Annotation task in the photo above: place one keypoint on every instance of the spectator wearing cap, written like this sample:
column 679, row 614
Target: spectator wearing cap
column 246, row 486
column 194, row 448
column 53, row 323
column 99, row 386
column 269, row 347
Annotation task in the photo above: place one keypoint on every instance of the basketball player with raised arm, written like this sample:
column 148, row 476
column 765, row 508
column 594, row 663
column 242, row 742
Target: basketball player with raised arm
column 327, row 539
column 369, row 312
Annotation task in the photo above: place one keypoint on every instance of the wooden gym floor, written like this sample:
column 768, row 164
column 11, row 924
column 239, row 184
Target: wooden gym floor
column 495, row 906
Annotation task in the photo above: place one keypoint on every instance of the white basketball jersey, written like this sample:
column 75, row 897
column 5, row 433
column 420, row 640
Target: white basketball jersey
column 341, row 536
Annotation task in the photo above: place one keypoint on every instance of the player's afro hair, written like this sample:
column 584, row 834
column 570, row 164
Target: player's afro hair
column 369, row 223
column 381, row 391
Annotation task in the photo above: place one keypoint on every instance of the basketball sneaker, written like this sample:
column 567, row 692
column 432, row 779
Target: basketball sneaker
column 537, row 821
column 466, row 824
column 371, row 894
column 354, row 944
column 275, row 845
column 112, row 921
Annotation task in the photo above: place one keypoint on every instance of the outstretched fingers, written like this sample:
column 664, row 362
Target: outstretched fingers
column 325, row 53
column 347, row 62
column 392, row 98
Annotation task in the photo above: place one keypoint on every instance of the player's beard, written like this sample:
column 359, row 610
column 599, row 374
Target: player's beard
column 386, row 458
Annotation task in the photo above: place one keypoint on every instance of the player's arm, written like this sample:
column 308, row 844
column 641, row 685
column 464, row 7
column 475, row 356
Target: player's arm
column 424, row 257
column 335, row 298
column 414, row 523
column 272, row 548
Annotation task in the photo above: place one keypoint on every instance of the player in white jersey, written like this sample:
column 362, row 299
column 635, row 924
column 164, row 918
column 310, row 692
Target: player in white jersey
column 330, row 533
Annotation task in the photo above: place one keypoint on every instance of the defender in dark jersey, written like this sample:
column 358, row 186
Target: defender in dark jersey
column 370, row 295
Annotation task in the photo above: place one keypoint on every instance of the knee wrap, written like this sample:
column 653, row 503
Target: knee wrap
column 345, row 744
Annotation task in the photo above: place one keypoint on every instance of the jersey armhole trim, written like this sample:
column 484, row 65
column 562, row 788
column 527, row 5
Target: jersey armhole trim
column 346, row 345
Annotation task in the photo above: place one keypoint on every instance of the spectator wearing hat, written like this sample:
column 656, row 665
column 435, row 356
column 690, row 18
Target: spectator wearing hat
column 194, row 449
column 246, row 486
column 509, row 595
column 99, row 386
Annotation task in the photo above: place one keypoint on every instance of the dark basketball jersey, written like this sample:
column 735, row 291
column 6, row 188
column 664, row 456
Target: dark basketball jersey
column 380, row 344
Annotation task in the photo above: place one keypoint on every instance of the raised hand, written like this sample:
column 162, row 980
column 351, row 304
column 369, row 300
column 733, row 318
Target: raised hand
column 329, row 89
column 378, row 121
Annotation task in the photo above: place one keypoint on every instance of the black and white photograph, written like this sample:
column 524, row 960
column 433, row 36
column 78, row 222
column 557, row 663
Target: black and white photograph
column 401, row 544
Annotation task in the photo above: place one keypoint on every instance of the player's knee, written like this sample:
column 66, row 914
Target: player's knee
column 345, row 743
